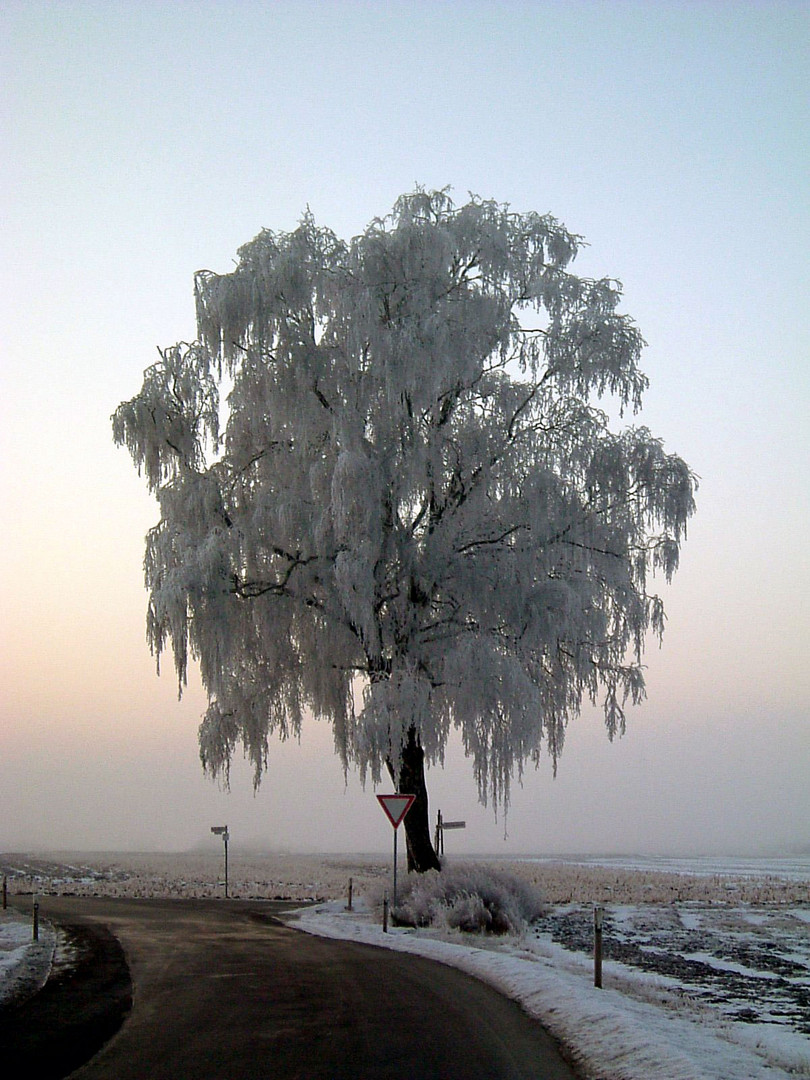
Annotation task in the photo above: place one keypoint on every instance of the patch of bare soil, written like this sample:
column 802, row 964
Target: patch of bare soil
column 748, row 965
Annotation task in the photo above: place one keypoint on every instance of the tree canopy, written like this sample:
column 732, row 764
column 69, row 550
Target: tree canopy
column 409, row 514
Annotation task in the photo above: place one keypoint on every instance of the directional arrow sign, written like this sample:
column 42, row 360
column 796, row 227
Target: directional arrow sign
column 396, row 806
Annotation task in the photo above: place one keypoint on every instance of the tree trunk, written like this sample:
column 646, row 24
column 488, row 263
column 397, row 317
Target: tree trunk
column 421, row 856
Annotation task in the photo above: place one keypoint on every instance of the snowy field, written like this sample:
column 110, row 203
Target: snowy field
column 706, row 971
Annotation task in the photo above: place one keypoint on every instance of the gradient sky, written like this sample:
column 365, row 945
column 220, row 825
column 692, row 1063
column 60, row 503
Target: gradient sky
column 144, row 141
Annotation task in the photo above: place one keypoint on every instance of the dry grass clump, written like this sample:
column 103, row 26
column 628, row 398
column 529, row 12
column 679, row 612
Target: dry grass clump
column 258, row 875
column 565, row 883
column 473, row 897
column 251, row 876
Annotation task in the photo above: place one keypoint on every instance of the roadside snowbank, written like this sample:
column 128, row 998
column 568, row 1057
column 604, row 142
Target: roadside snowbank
column 24, row 963
column 612, row 1034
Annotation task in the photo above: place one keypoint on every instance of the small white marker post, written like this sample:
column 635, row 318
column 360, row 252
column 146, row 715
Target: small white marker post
column 396, row 807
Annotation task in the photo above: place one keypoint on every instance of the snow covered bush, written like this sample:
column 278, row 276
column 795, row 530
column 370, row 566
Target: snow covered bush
column 472, row 898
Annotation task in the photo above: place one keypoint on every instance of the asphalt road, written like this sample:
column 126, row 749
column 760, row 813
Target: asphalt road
column 225, row 991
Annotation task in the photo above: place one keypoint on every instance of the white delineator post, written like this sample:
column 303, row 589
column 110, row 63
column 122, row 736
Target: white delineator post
column 396, row 807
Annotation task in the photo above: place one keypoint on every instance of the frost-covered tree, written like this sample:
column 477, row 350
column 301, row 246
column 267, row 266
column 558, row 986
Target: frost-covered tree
column 416, row 518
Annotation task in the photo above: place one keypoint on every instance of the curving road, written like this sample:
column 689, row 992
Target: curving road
column 225, row 990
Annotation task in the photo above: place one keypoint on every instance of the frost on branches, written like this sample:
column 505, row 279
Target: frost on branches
column 416, row 518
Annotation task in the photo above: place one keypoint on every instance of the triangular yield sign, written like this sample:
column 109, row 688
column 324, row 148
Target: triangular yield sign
column 396, row 806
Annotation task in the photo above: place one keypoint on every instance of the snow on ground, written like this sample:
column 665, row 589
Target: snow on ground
column 638, row 1028
column 156, row 874
column 706, row 975
column 24, row 963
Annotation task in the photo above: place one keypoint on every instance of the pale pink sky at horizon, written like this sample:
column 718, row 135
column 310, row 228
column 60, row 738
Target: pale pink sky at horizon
column 144, row 144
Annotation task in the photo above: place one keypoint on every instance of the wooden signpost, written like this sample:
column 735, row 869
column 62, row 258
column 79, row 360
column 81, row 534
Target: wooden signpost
column 598, row 919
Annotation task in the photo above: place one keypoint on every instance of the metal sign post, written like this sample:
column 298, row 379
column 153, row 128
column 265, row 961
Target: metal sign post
column 396, row 807
column 222, row 830
column 441, row 827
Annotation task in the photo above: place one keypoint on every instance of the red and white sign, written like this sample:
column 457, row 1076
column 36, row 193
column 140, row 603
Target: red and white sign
column 396, row 806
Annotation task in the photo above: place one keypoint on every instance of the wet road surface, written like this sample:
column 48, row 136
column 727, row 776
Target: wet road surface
column 225, row 991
